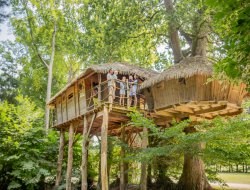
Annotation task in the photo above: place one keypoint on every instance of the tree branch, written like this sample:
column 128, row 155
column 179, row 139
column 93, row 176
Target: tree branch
column 32, row 37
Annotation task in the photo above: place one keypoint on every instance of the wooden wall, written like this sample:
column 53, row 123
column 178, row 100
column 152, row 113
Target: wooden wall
column 232, row 93
column 71, row 103
column 195, row 88
column 176, row 91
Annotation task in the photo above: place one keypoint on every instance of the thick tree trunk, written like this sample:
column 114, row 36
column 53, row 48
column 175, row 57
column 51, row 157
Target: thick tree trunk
column 193, row 175
column 200, row 34
column 173, row 33
column 85, row 155
column 70, row 158
column 50, row 75
column 104, row 150
column 60, row 159
column 144, row 165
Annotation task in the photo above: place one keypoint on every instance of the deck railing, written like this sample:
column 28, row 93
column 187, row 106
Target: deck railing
column 102, row 93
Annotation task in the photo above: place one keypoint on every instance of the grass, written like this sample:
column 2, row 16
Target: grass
column 242, row 178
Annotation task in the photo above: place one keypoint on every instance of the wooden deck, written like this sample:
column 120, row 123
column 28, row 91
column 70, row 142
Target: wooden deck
column 196, row 111
column 117, row 116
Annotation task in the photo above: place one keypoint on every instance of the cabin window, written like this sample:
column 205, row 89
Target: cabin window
column 80, row 86
column 182, row 81
column 160, row 85
column 70, row 96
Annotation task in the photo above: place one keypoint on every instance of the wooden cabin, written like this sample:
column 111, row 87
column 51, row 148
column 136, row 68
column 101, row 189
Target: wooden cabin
column 89, row 91
column 186, row 90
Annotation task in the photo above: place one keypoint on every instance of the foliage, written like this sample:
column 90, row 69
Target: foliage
column 27, row 155
column 231, row 23
column 9, row 75
column 3, row 14
column 226, row 139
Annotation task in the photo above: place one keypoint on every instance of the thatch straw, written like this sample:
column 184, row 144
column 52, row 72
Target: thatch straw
column 186, row 68
column 123, row 68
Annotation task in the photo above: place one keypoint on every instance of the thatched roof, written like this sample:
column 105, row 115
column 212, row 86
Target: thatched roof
column 123, row 68
column 186, row 68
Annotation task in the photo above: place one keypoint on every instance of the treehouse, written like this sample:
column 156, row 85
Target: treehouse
column 87, row 94
column 89, row 106
column 186, row 90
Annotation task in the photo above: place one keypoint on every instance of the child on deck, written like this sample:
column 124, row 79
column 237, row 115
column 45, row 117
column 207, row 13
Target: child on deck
column 134, row 89
column 130, row 82
column 122, row 90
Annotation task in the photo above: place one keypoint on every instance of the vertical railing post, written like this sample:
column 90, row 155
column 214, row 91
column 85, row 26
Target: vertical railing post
column 128, row 92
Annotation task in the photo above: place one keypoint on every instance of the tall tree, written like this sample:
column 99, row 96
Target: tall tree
column 43, row 29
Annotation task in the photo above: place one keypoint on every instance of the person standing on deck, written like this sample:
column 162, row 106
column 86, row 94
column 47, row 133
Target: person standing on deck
column 114, row 80
column 110, row 85
column 122, row 90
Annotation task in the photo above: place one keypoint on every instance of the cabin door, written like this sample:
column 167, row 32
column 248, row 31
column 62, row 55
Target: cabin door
column 64, row 108
column 59, row 110
column 71, row 103
column 82, row 96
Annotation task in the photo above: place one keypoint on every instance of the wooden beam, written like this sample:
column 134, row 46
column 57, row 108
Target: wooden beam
column 91, row 124
column 104, row 149
column 122, row 165
column 84, row 154
column 143, row 181
column 70, row 158
column 60, row 159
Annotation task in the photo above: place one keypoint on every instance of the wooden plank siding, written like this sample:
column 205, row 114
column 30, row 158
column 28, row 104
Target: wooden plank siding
column 195, row 88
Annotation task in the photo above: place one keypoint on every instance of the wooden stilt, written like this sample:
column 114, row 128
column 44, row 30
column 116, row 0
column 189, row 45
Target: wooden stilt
column 60, row 159
column 70, row 158
column 144, row 165
column 122, row 166
column 84, row 154
column 104, row 149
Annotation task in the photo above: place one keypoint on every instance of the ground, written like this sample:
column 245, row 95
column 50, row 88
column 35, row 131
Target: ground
column 236, row 180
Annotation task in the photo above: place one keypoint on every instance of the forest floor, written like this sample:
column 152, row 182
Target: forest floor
column 235, row 180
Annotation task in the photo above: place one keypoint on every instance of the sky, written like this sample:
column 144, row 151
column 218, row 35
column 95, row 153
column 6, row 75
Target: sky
column 5, row 32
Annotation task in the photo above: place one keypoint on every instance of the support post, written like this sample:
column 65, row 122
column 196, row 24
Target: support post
column 60, row 159
column 122, row 166
column 104, row 149
column 70, row 158
column 99, row 88
column 144, row 165
column 128, row 93
column 85, row 154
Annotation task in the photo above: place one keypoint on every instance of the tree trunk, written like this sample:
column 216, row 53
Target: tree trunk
column 200, row 34
column 173, row 32
column 104, row 149
column 50, row 76
column 70, row 158
column 193, row 175
column 144, row 165
column 85, row 155
column 60, row 159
